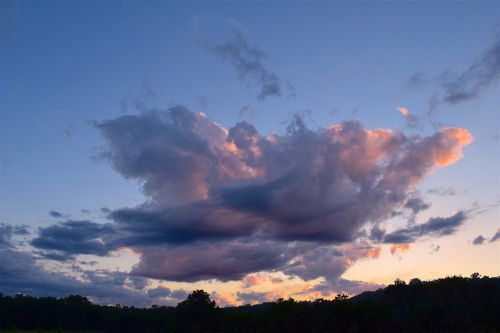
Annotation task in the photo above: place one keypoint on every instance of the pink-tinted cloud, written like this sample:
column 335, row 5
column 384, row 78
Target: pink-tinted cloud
column 259, row 279
column 404, row 111
column 401, row 248
column 225, row 203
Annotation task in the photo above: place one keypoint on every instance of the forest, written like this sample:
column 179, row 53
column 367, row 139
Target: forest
column 451, row 304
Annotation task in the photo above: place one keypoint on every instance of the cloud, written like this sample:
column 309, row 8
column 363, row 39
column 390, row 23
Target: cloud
column 417, row 80
column 435, row 226
column 416, row 204
column 7, row 232
column 460, row 86
column 68, row 132
column 401, row 248
column 495, row 237
column 253, row 280
column 246, row 111
column 353, row 287
column 253, row 297
column 223, row 300
column 56, row 214
column 259, row 279
column 225, row 203
column 248, row 61
column 211, row 184
column 404, row 111
column 73, row 237
column 325, row 262
column 412, row 121
column 161, row 292
column 341, row 286
column 479, row 75
column 478, row 240
column 21, row 272
column 328, row 262
column 447, row 191
column 203, row 261
column 435, row 248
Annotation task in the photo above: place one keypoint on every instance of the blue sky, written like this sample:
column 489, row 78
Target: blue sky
column 67, row 65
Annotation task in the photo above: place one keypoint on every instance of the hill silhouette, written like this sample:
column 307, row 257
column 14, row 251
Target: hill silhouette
column 451, row 304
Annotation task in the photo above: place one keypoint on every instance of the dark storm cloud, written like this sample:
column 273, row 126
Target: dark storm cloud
column 7, row 232
column 207, row 260
column 435, row 226
column 73, row 237
column 478, row 240
column 495, row 237
column 199, row 221
column 248, row 61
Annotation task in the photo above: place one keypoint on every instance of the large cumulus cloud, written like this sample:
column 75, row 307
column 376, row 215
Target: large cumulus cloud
column 223, row 203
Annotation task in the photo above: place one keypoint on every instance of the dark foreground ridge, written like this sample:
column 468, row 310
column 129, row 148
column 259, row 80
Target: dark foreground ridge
column 451, row 304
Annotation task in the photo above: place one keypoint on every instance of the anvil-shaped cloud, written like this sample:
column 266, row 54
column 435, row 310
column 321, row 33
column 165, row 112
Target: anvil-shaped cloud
column 224, row 203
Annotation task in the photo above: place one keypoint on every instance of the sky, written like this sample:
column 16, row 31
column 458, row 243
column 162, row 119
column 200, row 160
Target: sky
column 255, row 150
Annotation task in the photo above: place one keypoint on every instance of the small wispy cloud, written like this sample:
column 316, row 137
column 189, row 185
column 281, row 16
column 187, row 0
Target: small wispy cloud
column 411, row 120
column 478, row 240
column 247, row 111
column 404, row 111
column 495, row 237
column 248, row 61
column 455, row 87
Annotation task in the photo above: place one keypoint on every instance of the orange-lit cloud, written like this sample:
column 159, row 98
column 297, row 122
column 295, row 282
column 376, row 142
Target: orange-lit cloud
column 253, row 280
column 453, row 141
column 404, row 111
column 401, row 248
column 373, row 252
column 224, row 299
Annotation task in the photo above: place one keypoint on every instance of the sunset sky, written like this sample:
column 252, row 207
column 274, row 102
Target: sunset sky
column 252, row 149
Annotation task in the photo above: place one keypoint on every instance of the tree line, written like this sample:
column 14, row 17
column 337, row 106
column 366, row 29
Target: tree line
column 451, row 304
